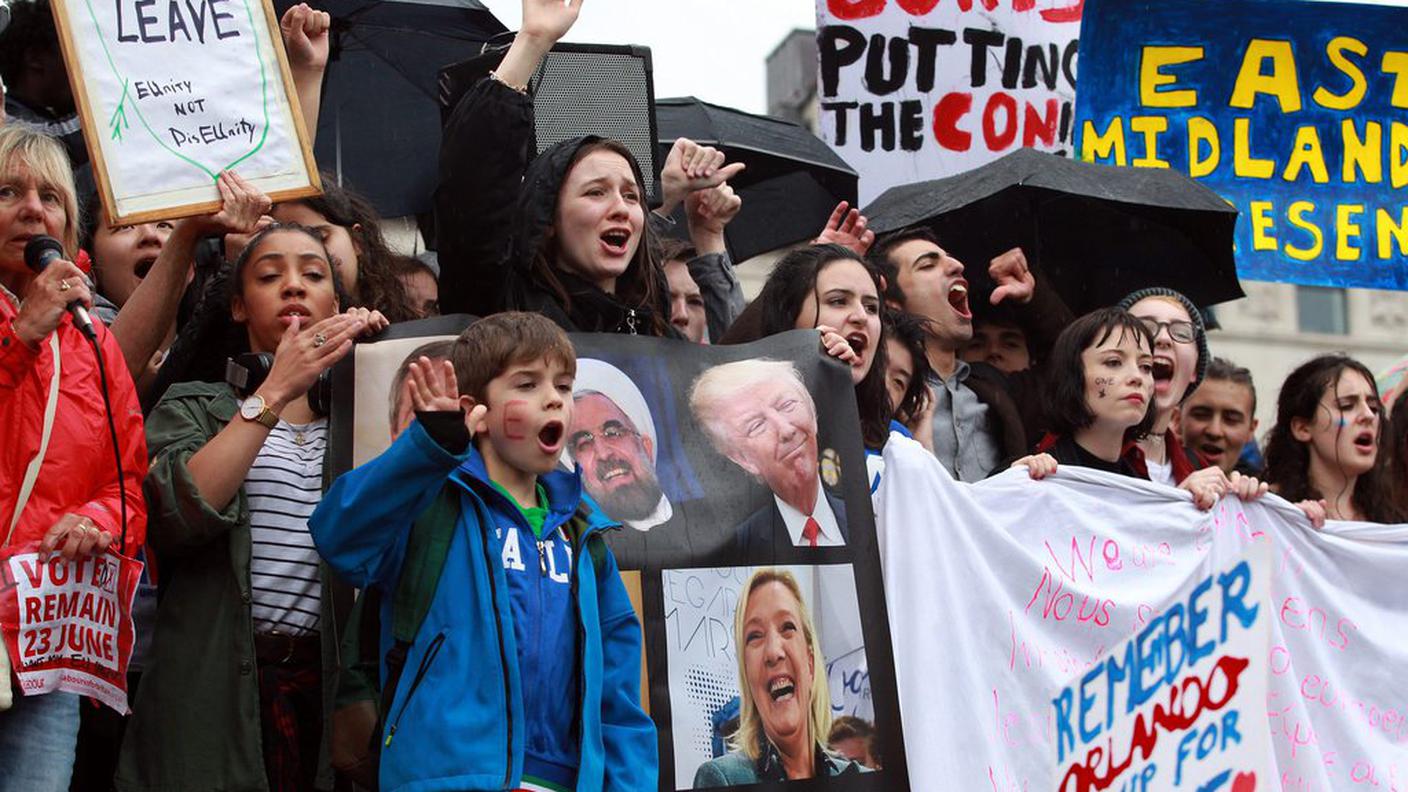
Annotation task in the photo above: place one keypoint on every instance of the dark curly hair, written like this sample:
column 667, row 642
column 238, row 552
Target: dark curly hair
column 378, row 286
column 1066, row 409
column 911, row 332
column 1396, row 459
column 1288, row 459
column 778, row 307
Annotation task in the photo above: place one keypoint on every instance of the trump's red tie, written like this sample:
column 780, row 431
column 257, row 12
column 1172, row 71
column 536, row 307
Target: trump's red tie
column 811, row 531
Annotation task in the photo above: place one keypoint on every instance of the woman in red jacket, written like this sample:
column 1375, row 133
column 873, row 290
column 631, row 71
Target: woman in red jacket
column 59, row 485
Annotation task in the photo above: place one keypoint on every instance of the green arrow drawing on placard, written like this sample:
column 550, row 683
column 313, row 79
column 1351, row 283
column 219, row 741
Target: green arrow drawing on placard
column 118, row 120
column 263, row 87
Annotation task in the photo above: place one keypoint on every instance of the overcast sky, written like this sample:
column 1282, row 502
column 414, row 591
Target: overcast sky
column 711, row 49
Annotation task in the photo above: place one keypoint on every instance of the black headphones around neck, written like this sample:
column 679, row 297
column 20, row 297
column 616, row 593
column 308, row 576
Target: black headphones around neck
column 246, row 372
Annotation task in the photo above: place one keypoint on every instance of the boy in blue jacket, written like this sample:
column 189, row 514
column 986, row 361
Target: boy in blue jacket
column 525, row 673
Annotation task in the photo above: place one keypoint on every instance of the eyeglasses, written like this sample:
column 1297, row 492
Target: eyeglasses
column 1178, row 330
column 612, row 432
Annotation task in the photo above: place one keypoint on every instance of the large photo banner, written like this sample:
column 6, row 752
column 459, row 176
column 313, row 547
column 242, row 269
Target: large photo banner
column 1295, row 112
column 1091, row 631
column 747, row 540
column 919, row 89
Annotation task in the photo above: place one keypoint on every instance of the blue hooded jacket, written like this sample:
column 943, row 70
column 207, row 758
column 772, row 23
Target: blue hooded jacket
column 458, row 714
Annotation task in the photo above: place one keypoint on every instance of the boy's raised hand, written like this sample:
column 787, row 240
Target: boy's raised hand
column 434, row 388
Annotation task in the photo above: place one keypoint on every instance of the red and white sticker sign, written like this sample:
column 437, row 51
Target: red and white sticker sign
column 68, row 624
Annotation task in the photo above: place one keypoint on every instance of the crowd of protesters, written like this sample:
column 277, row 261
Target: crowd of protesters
column 225, row 489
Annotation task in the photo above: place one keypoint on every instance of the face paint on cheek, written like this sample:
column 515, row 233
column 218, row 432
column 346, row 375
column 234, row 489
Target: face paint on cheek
column 516, row 420
column 1102, row 383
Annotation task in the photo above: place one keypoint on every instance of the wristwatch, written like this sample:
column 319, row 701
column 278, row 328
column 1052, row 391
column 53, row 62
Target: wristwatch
column 254, row 409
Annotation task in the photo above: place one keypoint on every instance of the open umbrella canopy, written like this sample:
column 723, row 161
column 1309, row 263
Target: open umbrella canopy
column 379, row 126
column 1097, row 232
column 792, row 182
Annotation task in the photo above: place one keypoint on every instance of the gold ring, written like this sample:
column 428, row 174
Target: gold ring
column 63, row 285
column 319, row 339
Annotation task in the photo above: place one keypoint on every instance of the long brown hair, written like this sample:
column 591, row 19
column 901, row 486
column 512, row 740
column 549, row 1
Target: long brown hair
column 1288, row 459
column 378, row 287
column 639, row 286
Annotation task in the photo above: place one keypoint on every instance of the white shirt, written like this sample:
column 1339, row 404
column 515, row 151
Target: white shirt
column 830, row 535
column 662, row 514
column 1161, row 474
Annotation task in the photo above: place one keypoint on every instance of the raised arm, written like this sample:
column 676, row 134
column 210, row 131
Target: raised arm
column 709, row 211
column 305, row 34
column 483, row 154
column 361, row 524
column 149, row 314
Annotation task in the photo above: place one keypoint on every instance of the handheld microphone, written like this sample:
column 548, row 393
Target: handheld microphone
column 40, row 253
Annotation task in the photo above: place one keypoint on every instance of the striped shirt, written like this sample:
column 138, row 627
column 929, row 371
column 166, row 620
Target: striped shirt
column 283, row 486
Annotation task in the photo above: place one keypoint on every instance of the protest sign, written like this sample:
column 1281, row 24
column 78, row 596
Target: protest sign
column 712, row 458
column 1180, row 705
column 1294, row 112
column 68, row 624
column 172, row 93
column 1008, row 590
column 919, row 89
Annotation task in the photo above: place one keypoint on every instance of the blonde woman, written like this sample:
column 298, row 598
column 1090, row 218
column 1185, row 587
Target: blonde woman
column 61, row 487
column 785, row 707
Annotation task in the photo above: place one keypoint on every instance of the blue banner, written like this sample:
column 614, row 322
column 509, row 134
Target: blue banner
column 1295, row 112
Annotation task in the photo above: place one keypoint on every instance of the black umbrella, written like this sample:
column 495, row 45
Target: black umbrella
column 1098, row 232
column 379, row 126
column 792, row 182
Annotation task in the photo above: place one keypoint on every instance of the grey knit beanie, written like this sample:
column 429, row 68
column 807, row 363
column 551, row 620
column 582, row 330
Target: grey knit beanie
column 1200, row 333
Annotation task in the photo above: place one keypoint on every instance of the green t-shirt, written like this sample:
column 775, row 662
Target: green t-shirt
column 535, row 515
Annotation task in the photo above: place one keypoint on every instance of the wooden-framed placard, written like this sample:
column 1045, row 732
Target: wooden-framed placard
column 172, row 92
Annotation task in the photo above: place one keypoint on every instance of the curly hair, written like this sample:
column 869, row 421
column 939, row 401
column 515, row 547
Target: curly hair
column 1396, row 460
column 1288, row 459
column 377, row 286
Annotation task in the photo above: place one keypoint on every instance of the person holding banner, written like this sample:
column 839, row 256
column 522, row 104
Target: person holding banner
column 248, row 621
column 562, row 235
column 784, row 715
column 1101, row 392
column 63, row 406
column 1323, row 451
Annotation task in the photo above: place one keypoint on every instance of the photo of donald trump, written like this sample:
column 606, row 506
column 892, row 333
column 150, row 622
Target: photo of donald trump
column 614, row 442
column 759, row 415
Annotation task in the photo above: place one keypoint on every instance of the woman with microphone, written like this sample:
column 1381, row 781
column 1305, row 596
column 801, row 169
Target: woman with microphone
column 62, row 405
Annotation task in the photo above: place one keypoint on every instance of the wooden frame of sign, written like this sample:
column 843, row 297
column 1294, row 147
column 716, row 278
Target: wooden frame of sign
column 145, row 173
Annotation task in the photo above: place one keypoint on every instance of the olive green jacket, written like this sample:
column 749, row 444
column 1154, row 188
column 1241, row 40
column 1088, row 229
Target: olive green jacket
column 195, row 723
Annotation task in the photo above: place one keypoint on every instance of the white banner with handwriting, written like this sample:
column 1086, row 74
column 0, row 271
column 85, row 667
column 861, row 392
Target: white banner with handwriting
column 1004, row 593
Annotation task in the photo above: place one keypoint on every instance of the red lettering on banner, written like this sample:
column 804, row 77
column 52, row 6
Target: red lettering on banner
column 863, row 9
column 1038, row 127
column 855, row 9
column 946, row 114
column 1187, row 701
column 33, row 572
column 995, row 140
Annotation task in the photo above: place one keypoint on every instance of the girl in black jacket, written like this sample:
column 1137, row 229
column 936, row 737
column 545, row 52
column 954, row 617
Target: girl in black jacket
column 564, row 234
